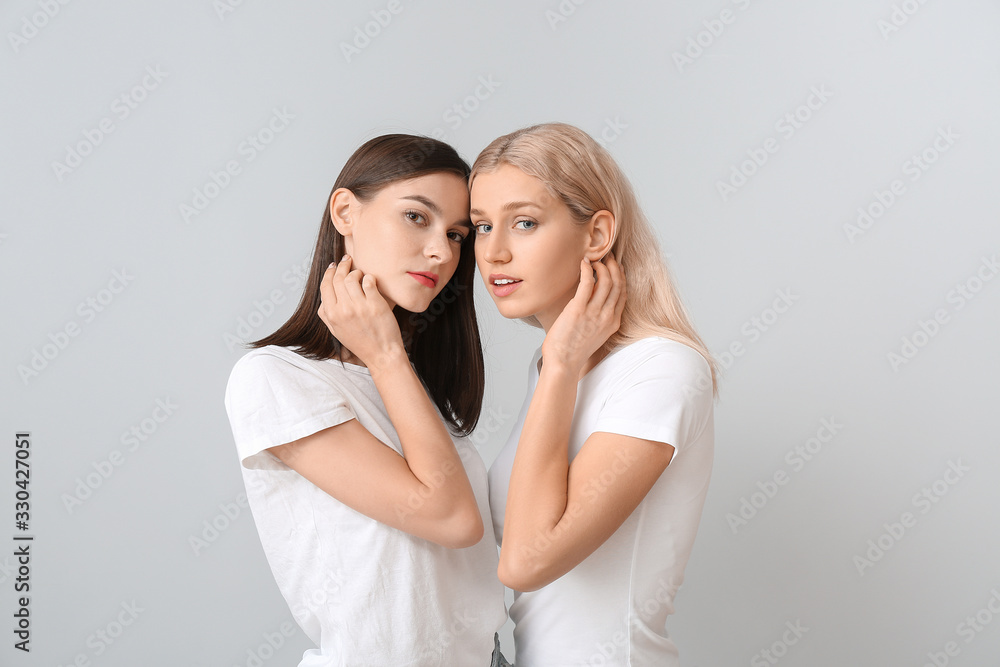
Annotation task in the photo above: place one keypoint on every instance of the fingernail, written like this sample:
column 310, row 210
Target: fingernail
column 344, row 258
column 331, row 265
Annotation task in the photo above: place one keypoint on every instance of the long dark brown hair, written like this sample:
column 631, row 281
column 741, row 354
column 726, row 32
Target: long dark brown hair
column 442, row 342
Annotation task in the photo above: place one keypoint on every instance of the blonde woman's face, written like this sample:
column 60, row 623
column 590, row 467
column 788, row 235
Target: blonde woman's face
column 528, row 247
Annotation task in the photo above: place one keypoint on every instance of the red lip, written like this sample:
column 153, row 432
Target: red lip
column 425, row 278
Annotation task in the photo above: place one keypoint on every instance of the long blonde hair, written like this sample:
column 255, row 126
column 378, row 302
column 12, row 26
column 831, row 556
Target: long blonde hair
column 585, row 177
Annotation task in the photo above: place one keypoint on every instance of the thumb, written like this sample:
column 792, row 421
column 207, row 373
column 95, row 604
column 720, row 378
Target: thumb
column 370, row 286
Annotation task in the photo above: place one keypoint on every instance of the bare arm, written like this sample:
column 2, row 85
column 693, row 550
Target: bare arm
column 427, row 493
column 557, row 514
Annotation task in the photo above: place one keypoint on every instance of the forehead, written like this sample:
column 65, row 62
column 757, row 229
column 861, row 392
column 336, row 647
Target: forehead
column 441, row 182
column 509, row 183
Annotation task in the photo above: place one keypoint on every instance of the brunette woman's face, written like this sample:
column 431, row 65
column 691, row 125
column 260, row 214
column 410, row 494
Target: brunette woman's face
column 408, row 236
column 528, row 247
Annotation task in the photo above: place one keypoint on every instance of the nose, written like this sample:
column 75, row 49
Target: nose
column 492, row 248
column 439, row 248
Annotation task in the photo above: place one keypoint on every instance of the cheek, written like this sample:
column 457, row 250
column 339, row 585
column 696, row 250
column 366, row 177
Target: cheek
column 480, row 249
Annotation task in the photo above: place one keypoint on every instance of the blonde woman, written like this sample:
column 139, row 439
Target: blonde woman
column 597, row 495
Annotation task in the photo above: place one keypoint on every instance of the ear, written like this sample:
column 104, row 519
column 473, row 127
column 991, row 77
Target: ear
column 602, row 235
column 342, row 204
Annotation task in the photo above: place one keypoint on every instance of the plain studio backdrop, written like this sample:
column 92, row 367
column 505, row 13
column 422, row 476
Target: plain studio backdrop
column 822, row 177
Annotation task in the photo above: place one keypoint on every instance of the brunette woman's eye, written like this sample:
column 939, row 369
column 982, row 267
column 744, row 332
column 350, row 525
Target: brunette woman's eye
column 532, row 224
column 413, row 216
column 457, row 237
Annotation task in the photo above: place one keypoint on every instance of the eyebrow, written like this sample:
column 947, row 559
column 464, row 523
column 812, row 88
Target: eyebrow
column 509, row 206
column 434, row 209
column 425, row 201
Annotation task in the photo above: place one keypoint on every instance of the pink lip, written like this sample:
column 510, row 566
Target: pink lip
column 425, row 278
column 503, row 290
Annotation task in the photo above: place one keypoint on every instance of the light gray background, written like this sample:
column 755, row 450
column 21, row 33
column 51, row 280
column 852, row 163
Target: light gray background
column 609, row 68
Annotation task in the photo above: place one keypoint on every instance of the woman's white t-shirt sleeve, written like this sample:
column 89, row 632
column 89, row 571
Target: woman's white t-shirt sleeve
column 272, row 402
column 666, row 397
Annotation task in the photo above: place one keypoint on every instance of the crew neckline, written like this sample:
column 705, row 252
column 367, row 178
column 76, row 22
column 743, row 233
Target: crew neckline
column 351, row 367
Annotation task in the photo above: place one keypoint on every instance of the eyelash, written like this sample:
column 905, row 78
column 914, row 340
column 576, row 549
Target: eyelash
column 516, row 222
column 459, row 236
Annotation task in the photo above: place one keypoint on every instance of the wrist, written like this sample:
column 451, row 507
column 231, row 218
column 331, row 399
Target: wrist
column 388, row 360
column 559, row 370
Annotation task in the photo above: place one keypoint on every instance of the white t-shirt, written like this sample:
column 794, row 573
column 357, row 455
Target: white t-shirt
column 612, row 608
column 364, row 592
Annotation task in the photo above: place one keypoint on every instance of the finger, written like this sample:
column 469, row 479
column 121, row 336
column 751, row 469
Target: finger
column 623, row 286
column 352, row 286
column 326, row 292
column 586, row 286
column 343, row 269
column 370, row 286
column 618, row 287
column 603, row 288
column 619, row 303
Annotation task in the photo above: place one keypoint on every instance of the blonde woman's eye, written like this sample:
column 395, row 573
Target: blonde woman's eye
column 483, row 227
column 526, row 224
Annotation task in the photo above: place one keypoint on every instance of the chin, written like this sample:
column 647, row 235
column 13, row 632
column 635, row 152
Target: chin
column 413, row 305
column 513, row 312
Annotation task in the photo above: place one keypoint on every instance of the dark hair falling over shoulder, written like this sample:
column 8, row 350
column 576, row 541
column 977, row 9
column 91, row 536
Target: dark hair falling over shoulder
column 443, row 342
